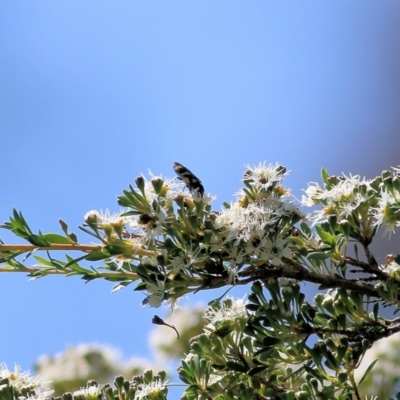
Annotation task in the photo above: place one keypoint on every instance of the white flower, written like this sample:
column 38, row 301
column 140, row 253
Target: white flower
column 351, row 203
column 156, row 293
column 236, row 258
column 150, row 224
column 327, row 297
column 207, row 198
column 150, row 388
column 20, row 380
column 262, row 176
column 171, row 189
column 396, row 170
column 178, row 263
column 275, row 250
column 313, row 192
column 229, row 309
column 90, row 392
column 239, row 223
column 387, row 213
column 171, row 185
column 391, row 267
column 182, row 262
column 232, row 221
column 232, row 273
column 341, row 199
column 256, row 243
column 106, row 218
column 136, row 246
column 290, row 208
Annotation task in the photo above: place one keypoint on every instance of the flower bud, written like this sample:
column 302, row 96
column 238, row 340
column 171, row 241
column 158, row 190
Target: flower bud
column 140, row 183
column 157, row 184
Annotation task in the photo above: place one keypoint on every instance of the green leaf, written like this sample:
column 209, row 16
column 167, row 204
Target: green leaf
column 297, row 240
column 306, row 229
column 316, row 255
column 72, row 264
column 20, row 220
column 270, row 341
column 324, row 175
column 233, row 366
column 55, row 238
column 331, row 361
column 43, row 261
column 90, row 277
column 368, row 370
column 113, row 250
column 315, row 372
column 96, row 256
column 325, row 236
column 37, row 240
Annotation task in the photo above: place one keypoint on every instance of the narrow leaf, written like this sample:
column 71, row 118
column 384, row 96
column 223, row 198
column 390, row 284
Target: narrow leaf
column 368, row 370
column 55, row 238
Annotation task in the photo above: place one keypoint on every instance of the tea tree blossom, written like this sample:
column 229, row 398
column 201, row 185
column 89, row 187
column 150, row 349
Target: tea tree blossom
column 170, row 242
column 275, row 250
column 90, row 392
column 187, row 258
column 170, row 187
column 239, row 223
column 150, row 389
column 340, row 198
column 23, row 382
column 263, row 176
column 387, row 212
column 150, row 224
column 391, row 267
column 106, row 218
column 156, row 293
column 229, row 310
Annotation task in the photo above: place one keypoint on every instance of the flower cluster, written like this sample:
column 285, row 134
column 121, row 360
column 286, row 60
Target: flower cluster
column 277, row 342
column 24, row 384
column 175, row 242
column 229, row 310
column 365, row 204
column 91, row 392
column 258, row 226
column 150, row 389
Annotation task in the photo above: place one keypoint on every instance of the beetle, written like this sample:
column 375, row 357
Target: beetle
column 191, row 180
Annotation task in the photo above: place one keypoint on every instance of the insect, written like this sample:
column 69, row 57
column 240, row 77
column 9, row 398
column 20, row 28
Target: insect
column 192, row 181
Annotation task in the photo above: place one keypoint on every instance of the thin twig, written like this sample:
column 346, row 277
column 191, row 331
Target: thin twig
column 24, row 248
column 369, row 268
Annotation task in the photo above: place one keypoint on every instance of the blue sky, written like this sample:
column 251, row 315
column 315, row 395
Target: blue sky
column 93, row 93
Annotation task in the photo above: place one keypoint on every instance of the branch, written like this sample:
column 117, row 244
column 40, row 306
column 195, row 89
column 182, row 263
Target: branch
column 370, row 268
column 24, row 248
column 298, row 272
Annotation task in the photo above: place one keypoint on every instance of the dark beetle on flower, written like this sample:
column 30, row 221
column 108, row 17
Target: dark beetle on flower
column 192, row 181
